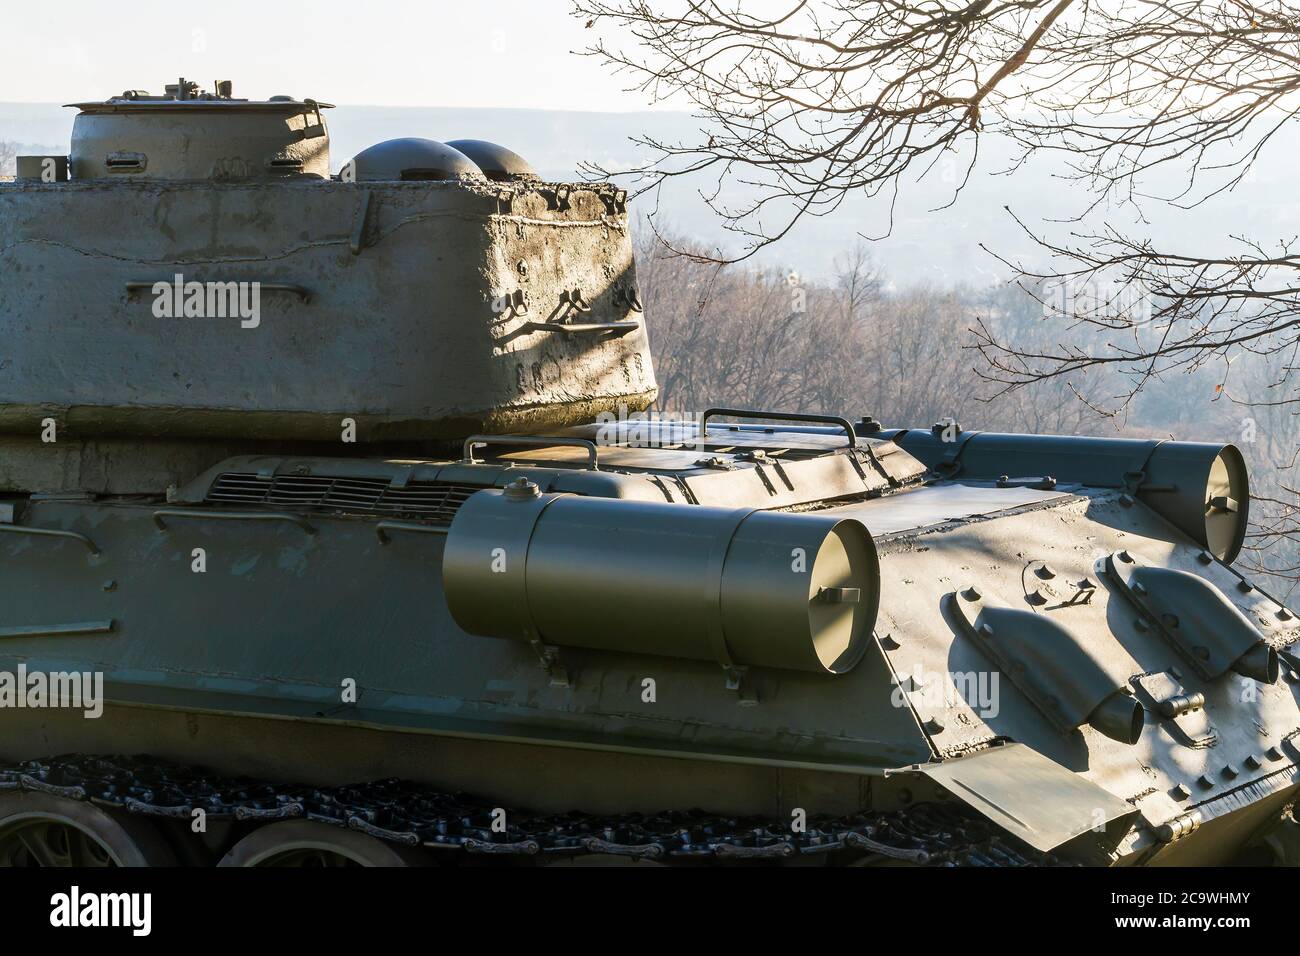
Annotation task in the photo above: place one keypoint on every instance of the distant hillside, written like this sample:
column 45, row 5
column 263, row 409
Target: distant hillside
column 933, row 246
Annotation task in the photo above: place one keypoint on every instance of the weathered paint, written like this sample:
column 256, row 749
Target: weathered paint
column 409, row 337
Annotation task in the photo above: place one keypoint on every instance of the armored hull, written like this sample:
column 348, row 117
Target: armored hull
column 245, row 666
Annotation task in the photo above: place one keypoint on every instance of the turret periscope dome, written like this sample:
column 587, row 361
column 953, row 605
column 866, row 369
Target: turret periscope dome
column 412, row 158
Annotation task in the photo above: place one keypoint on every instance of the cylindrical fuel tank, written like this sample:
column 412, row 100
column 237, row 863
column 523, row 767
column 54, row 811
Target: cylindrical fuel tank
column 1200, row 487
column 736, row 586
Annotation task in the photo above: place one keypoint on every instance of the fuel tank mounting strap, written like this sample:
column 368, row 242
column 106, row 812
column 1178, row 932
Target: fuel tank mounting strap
column 1133, row 479
column 950, row 465
column 50, row 533
column 160, row 517
column 713, row 588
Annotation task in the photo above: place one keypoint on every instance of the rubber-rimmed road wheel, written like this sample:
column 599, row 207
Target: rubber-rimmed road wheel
column 41, row 830
column 306, row 843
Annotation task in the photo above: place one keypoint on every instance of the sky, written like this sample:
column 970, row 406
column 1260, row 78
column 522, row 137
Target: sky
column 431, row 68
column 471, row 53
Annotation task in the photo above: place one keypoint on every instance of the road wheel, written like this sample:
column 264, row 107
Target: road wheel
column 307, row 843
column 40, row 830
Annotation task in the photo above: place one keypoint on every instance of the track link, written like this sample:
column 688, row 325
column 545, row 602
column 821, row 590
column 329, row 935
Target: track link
column 415, row 815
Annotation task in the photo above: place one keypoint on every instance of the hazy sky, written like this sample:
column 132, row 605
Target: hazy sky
column 414, row 53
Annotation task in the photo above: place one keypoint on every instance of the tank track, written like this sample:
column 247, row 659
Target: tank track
column 414, row 815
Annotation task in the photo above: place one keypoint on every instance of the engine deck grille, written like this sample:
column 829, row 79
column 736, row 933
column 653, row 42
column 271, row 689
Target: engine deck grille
column 437, row 500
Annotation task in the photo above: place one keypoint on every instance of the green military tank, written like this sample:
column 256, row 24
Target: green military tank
column 331, row 533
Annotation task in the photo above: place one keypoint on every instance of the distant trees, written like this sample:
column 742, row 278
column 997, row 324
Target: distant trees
column 8, row 158
column 732, row 334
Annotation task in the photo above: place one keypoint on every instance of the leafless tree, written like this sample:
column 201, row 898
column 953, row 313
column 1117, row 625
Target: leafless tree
column 821, row 99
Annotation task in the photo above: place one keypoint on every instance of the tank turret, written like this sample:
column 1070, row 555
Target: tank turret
column 198, row 275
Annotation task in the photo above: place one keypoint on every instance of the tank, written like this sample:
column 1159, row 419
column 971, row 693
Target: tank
column 331, row 532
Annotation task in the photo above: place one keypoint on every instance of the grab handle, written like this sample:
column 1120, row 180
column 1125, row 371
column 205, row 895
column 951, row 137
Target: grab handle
column 51, row 533
column 164, row 513
column 780, row 417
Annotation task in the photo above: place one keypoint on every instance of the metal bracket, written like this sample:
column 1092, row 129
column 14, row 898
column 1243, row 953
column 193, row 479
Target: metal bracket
column 1182, row 712
column 532, row 441
column 736, row 679
column 716, row 462
column 358, row 238
column 548, row 655
column 385, row 529
column 1045, row 483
